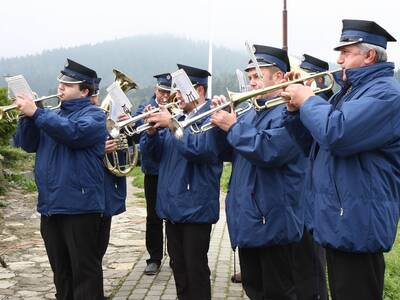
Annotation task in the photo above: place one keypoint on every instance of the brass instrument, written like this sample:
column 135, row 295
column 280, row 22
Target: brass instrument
column 124, row 159
column 125, row 83
column 236, row 98
column 114, row 128
column 178, row 126
column 7, row 110
column 280, row 100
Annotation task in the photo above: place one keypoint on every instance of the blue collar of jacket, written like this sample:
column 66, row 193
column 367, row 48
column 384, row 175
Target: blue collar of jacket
column 362, row 75
column 75, row 104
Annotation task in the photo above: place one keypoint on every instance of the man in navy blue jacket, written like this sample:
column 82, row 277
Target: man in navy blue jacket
column 154, row 225
column 69, row 146
column 264, row 212
column 312, row 65
column 188, row 192
column 353, row 187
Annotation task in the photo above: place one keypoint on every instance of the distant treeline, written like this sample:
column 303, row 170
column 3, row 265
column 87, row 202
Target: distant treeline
column 140, row 57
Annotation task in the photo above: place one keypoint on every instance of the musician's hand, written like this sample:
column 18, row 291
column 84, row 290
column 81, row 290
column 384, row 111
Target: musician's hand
column 217, row 100
column 111, row 146
column 122, row 117
column 292, row 75
column 298, row 94
column 26, row 105
column 160, row 119
column 224, row 119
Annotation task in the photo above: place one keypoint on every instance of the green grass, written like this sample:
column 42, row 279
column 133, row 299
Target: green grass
column 15, row 162
column 392, row 272
column 226, row 174
column 138, row 177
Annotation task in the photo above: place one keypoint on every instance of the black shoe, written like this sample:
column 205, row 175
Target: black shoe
column 151, row 269
column 236, row 278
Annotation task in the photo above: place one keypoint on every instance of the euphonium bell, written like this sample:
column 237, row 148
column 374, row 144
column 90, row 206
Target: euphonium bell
column 124, row 159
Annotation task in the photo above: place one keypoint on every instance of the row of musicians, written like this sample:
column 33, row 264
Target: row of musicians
column 312, row 170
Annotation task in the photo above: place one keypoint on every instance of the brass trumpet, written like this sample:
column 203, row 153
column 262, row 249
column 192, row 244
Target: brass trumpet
column 178, row 126
column 6, row 110
column 114, row 128
column 280, row 100
column 236, row 98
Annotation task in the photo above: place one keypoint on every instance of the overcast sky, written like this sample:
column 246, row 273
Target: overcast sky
column 29, row 27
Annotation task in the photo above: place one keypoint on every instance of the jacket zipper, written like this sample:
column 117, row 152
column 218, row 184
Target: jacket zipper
column 264, row 219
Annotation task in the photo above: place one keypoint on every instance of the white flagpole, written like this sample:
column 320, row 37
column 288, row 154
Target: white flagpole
column 210, row 60
column 210, row 50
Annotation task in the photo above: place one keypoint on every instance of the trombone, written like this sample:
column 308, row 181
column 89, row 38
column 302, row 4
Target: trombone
column 236, row 98
column 6, row 110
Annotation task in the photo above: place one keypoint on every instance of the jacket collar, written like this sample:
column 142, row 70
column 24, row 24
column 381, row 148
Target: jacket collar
column 75, row 104
column 362, row 75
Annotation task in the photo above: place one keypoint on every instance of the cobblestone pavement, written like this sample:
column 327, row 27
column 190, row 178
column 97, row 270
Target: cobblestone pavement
column 28, row 274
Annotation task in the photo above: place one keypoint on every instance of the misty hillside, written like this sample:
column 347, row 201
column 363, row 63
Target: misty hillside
column 139, row 57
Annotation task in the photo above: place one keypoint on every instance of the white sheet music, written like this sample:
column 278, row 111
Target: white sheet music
column 242, row 80
column 120, row 103
column 17, row 85
column 181, row 82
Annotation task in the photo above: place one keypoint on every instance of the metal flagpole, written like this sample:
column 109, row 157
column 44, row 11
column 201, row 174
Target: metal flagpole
column 285, row 27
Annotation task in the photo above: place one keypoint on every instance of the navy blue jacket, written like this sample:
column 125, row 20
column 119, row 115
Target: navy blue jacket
column 115, row 194
column 353, row 185
column 69, row 146
column 148, row 164
column 189, row 175
column 263, row 202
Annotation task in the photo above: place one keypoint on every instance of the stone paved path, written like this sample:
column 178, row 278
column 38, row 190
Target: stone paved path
column 28, row 274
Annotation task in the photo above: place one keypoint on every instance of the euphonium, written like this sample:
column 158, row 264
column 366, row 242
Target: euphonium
column 124, row 159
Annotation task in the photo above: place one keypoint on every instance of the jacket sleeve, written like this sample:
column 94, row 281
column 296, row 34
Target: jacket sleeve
column 27, row 135
column 152, row 145
column 266, row 148
column 85, row 131
column 300, row 134
column 363, row 124
column 206, row 147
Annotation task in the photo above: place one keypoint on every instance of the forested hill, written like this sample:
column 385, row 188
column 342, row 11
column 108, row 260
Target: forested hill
column 139, row 57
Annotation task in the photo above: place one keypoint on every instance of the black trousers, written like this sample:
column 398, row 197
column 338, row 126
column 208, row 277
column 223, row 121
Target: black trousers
column 309, row 269
column 188, row 247
column 104, row 237
column 73, row 247
column 267, row 273
column 154, row 225
column 355, row 276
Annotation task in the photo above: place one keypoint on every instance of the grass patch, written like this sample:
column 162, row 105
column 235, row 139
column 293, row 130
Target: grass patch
column 23, row 182
column 138, row 178
column 16, row 159
column 392, row 272
column 226, row 174
column 3, row 203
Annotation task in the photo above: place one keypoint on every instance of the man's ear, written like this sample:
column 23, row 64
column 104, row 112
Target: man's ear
column 85, row 92
column 371, row 56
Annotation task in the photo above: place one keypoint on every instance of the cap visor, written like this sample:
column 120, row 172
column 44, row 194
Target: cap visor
column 343, row 44
column 260, row 64
column 164, row 88
column 66, row 79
